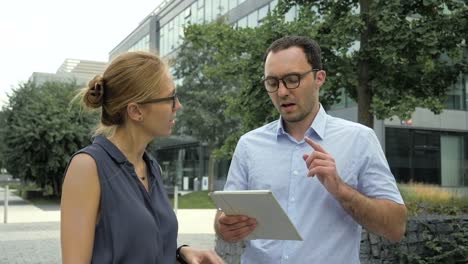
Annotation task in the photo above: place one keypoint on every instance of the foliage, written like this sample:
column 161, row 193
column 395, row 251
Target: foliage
column 391, row 58
column 422, row 199
column 42, row 131
column 433, row 242
column 439, row 248
column 2, row 141
column 205, row 89
column 419, row 50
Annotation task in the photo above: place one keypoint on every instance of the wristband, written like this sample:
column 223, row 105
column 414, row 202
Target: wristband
column 179, row 256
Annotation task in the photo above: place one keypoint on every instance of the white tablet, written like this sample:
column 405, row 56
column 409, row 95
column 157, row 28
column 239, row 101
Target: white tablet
column 272, row 221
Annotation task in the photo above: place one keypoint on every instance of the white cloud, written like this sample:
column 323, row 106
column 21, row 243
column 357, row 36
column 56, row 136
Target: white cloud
column 37, row 36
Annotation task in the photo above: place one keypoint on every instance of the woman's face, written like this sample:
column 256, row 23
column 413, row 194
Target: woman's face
column 159, row 116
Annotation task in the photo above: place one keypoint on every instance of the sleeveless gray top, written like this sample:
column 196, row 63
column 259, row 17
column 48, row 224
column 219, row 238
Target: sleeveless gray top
column 135, row 225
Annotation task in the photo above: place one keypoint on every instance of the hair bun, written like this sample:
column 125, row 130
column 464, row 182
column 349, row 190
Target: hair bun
column 94, row 96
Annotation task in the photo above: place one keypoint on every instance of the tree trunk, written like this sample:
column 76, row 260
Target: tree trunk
column 57, row 186
column 211, row 178
column 364, row 94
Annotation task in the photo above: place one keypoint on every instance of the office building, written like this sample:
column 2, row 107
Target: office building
column 71, row 70
column 427, row 148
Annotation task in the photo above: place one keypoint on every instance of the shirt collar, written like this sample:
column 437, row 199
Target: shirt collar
column 115, row 152
column 318, row 125
column 320, row 122
column 110, row 148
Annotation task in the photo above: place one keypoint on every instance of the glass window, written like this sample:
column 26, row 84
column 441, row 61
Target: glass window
column 172, row 33
column 193, row 11
column 176, row 30
column 180, row 28
column 397, row 148
column 242, row 23
column 200, row 4
column 414, row 155
column 216, row 9
column 273, row 4
column 187, row 12
column 201, row 11
column 232, row 4
column 455, row 96
column 141, row 45
column 262, row 13
column 168, row 39
column 252, row 19
column 224, row 6
column 208, row 11
column 162, row 38
column 451, row 150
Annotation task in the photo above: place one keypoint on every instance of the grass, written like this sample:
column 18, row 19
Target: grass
column 195, row 200
column 11, row 186
column 419, row 199
column 432, row 199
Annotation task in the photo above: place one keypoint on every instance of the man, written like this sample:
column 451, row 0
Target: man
column 329, row 175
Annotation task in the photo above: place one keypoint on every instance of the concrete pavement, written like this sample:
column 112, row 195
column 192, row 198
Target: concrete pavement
column 32, row 234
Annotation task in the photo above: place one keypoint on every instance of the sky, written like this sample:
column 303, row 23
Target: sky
column 37, row 36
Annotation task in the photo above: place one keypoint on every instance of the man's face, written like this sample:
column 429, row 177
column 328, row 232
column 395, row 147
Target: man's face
column 301, row 103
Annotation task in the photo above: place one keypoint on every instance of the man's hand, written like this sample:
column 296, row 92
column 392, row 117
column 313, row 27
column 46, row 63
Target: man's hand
column 234, row 228
column 194, row 256
column 322, row 165
column 380, row 216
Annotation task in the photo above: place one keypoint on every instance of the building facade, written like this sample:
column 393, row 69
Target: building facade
column 71, row 70
column 428, row 148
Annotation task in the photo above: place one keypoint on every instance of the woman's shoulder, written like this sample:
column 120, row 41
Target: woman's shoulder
column 83, row 163
column 81, row 173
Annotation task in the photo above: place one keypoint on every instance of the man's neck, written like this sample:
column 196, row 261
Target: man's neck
column 298, row 129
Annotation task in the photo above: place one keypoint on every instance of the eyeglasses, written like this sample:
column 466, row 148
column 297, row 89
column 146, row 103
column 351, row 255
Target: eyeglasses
column 172, row 98
column 290, row 81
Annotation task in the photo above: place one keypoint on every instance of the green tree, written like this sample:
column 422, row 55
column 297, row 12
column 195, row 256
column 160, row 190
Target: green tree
column 410, row 53
column 391, row 57
column 204, row 89
column 42, row 131
column 2, row 141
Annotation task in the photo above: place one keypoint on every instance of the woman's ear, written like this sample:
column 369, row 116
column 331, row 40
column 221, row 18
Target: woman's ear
column 134, row 112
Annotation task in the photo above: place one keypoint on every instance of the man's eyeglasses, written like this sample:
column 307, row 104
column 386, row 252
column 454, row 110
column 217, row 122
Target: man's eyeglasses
column 172, row 98
column 290, row 81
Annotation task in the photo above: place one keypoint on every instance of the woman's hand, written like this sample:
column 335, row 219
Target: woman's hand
column 194, row 256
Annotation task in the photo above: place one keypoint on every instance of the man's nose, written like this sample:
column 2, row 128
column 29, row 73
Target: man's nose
column 282, row 90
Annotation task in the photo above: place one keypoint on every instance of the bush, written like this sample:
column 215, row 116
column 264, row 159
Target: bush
column 42, row 130
column 431, row 199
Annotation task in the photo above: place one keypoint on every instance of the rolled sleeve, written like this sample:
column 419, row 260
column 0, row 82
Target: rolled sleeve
column 375, row 178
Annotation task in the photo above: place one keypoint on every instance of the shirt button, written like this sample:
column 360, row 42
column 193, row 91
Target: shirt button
column 285, row 257
column 293, row 199
column 295, row 172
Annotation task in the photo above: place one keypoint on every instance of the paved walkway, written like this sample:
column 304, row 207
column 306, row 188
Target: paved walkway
column 32, row 234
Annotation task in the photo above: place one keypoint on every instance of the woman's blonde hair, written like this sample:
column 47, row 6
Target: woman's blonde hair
column 131, row 77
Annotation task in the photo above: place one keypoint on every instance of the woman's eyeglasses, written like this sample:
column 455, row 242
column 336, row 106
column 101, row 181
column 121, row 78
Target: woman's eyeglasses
column 172, row 98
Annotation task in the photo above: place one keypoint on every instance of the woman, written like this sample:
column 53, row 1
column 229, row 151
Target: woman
column 114, row 208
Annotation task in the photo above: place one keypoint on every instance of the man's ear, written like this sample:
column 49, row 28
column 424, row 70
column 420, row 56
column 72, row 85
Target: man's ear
column 134, row 112
column 320, row 77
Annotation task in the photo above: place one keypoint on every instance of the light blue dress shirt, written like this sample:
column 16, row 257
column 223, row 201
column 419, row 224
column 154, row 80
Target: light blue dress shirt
column 269, row 158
